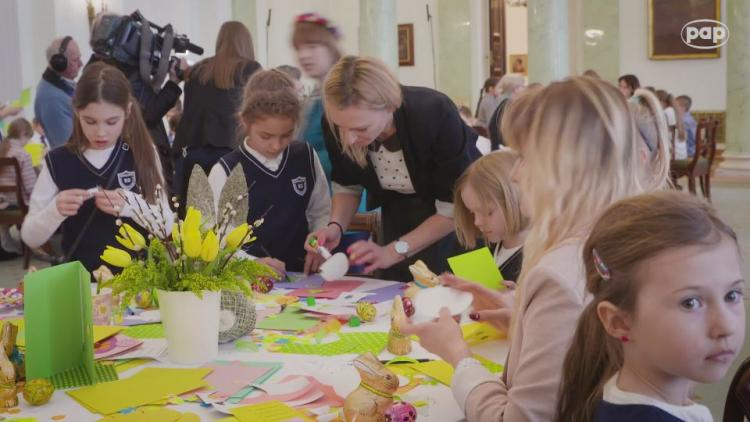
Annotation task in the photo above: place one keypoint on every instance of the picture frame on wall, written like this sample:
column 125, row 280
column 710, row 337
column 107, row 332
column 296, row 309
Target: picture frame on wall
column 406, row 44
column 666, row 20
column 518, row 63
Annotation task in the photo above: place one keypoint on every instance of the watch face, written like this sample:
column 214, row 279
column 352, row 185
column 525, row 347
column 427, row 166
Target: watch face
column 401, row 247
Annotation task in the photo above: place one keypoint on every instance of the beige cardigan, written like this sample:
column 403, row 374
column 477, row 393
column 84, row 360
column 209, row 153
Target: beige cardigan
column 552, row 297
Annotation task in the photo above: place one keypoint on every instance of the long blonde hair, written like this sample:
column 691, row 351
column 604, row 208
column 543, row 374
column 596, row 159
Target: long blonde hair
column 580, row 156
column 489, row 177
column 360, row 82
column 234, row 49
column 652, row 130
column 630, row 233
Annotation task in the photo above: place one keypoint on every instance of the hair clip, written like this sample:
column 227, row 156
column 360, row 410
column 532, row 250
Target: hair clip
column 601, row 268
column 312, row 17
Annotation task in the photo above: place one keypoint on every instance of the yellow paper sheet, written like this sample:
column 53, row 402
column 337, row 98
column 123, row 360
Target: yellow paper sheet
column 480, row 332
column 151, row 414
column 36, row 152
column 147, row 386
column 270, row 411
column 439, row 370
column 105, row 331
column 20, row 338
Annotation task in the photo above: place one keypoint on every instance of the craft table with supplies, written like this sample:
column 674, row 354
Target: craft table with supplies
column 297, row 364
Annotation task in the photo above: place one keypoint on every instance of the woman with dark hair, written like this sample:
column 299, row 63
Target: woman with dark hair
column 628, row 84
column 213, row 92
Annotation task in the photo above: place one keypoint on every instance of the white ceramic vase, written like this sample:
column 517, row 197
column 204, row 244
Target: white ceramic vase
column 191, row 325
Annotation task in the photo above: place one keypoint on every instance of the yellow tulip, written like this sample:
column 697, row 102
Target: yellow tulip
column 191, row 243
column 210, row 247
column 236, row 236
column 192, row 221
column 131, row 238
column 116, row 257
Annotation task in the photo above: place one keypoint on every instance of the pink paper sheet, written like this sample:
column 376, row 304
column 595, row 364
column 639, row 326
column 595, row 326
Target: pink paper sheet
column 329, row 289
column 227, row 379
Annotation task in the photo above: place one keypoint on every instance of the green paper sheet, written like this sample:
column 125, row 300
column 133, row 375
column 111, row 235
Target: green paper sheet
column 287, row 321
column 355, row 343
column 478, row 266
column 77, row 377
column 147, row 386
column 145, row 331
column 57, row 313
column 25, row 98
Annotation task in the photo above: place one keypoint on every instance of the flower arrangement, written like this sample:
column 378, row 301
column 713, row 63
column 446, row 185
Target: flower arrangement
column 197, row 254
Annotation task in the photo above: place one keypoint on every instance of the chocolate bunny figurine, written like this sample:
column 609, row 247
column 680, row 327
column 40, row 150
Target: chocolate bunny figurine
column 398, row 343
column 374, row 395
column 8, row 392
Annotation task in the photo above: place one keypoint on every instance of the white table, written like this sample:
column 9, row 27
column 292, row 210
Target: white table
column 335, row 371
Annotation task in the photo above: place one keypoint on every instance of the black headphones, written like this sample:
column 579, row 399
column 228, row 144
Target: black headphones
column 59, row 62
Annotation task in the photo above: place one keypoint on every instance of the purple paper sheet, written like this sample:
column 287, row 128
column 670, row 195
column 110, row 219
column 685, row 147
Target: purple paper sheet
column 313, row 281
column 383, row 294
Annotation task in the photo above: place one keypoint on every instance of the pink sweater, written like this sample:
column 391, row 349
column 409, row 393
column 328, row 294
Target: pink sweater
column 552, row 296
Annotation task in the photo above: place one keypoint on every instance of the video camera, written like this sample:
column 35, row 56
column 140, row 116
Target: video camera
column 129, row 40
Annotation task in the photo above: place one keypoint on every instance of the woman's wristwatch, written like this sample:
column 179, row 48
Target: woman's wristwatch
column 402, row 248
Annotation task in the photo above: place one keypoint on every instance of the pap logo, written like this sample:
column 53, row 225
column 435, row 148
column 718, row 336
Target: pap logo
column 704, row 34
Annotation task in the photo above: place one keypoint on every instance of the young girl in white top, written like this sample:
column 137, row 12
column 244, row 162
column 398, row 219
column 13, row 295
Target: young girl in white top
column 107, row 170
column 579, row 154
column 287, row 184
column 487, row 205
column 668, row 312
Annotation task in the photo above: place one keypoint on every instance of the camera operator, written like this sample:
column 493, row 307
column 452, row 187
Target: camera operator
column 154, row 102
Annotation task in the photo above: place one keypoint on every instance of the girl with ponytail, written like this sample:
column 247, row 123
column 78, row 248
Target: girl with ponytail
column 667, row 311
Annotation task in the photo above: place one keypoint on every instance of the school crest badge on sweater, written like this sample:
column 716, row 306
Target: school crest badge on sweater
column 300, row 185
column 126, row 179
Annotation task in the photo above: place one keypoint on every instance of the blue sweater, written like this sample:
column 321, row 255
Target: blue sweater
column 54, row 109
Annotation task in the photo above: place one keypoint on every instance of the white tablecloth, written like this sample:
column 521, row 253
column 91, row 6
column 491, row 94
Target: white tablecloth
column 335, row 371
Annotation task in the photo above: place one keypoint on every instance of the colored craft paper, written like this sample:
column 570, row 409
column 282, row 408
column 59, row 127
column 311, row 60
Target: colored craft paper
column 442, row 371
column 145, row 331
column 152, row 414
column 57, row 312
column 329, row 289
column 287, row 321
column 147, row 386
column 272, row 411
column 358, row 343
column 105, row 331
column 114, row 346
column 36, row 152
column 384, row 294
column 228, row 378
column 126, row 364
column 25, row 98
column 77, row 377
column 480, row 332
column 299, row 281
column 478, row 266
column 150, row 348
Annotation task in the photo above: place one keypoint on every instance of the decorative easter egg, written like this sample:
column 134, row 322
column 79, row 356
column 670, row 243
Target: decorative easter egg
column 38, row 391
column 408, row 306
column 401, row 412
column 264, row 285
column 366, row 311
column 144, row 299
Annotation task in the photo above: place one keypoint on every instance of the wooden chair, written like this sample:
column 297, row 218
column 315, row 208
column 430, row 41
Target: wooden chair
column 367, row 222
column 697, row 166
column 15, row 216
column 737, row 405
column 705, row 180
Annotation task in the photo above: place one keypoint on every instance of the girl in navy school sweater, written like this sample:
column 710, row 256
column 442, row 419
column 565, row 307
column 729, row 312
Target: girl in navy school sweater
column 667, row 312
column 287, row 185
column 107, row 170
